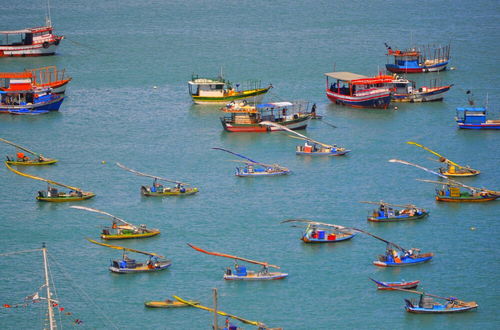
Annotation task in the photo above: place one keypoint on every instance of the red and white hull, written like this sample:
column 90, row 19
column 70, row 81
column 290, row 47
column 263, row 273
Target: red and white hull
column 29, row 50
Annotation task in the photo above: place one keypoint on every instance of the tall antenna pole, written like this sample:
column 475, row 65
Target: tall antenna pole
column 48, row 19
column 52, row 322
column 216, row 324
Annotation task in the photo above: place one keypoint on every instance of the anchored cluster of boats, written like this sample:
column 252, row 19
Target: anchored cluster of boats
column 38, row 91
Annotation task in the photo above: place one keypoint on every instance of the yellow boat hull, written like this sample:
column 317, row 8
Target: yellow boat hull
column 62, row 199
column 126, row 236
column 466, row 174
column 31, row 162
column 168, row 304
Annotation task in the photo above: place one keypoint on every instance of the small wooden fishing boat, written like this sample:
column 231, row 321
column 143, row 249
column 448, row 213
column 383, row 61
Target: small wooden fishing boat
column 253, row 168
column 157, row 189
column 168, row 303
column 125, row 265
column 427, row 305
column 395, row 285
column 36, row 41
column 311, row 147
column 475, row 118
column 386, row 212
column 221, row 91
column 451, row 189
column 452, row 168
column 319, row 232
column 418, row 59
column 358, row 91
column 29, row 101
column 241, row 273
column 397, row 256
column 406, row 91
column 22, row 160
column 121, row 229
column 248, row 118
column 52, row 194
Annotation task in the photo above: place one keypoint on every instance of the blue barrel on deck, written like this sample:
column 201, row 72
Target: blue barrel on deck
column 321, row 234
column 123, row 264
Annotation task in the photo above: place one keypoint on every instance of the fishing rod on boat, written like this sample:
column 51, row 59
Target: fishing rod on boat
column 453, row 299
column 310, row 222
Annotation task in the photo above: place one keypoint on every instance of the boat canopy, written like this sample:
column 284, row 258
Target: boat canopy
column 15, row 75
column 205, row 81
column 345, row 76
column 275, row 105
column 479, row 110
column 29, row 30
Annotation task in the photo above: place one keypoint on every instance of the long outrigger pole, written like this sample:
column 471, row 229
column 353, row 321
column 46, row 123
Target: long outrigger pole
column 232, row 257
column 150, row 176
column 52, row 321
column 104, row 213
column 41, row 179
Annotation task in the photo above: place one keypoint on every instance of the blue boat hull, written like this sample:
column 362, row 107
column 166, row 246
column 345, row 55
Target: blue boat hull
column 404, row 262
column 414, row 67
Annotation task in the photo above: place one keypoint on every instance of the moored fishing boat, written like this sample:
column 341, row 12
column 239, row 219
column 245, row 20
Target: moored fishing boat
column 405, row 90
column 248, row 118
column 427, row 305
column 253, row 168
column 36, row 41
column 221, row 91
column 22, row 160
column 386, row 212
column 358, row 91
column 158, row 190
column 311, row 147
column 53, row 194
column 395, row 285
column 121, row 229
column 168, row 303
column 452, row 168
column 28, row 101
column 451, row 189
column 418, row 59
column 319, row 232
column 397, row 256
column 126, row 265
column 241, row 273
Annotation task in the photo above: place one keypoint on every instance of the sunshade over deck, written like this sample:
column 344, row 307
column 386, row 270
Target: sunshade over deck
column 345, row 76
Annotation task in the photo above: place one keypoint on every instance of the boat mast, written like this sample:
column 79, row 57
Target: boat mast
column 216, row 323
column 52, row 322
column 48, row 19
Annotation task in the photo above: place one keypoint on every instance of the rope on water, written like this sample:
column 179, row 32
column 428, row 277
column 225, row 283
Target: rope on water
column 18, row 252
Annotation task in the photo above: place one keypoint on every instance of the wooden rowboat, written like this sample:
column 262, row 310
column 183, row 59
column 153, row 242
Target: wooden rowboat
column 52, row 194
column 121, row 229
column 22, row 160
column 240, row 272
column 158, row 190
column 169, row 304
column 395, row 285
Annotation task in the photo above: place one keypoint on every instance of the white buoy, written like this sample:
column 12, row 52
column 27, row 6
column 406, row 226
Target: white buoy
column 103, row 162
column 472, row 228
column 452, row 68
column 395, row 108
column 154, row 87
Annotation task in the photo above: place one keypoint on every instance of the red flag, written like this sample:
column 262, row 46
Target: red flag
column 7, row 306
column 61, row 309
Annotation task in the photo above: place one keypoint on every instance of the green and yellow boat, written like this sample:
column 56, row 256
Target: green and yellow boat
column 221, row 91
column 52, row 194
column 121, row 229
column 158, row 190
column 20, row 159
column 452, row 168
column 168, row 303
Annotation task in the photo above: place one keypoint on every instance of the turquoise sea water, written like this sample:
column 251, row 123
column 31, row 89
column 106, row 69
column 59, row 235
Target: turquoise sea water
column 117, row 51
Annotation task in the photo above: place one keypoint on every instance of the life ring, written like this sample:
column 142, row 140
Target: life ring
column 57, row 42
column 45, row 44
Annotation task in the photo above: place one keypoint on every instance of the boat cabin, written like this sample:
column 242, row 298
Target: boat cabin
column 206, row 87
column 26, row 37
column 352, row 84
column 471, row 115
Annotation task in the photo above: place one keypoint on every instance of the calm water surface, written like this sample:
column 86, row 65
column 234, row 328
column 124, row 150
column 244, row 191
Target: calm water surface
column 117, row 51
